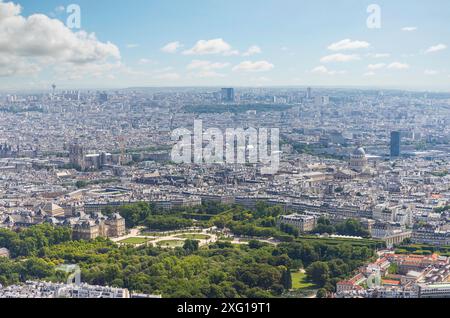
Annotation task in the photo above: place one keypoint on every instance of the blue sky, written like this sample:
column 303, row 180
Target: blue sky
column 249, row 43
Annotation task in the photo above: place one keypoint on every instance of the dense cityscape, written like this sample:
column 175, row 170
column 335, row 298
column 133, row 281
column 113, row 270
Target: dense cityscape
column 216, row 157
column 364, row 172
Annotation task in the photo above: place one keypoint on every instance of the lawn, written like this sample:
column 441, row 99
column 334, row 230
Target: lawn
column 225, row 238
column 194, row 236
column 154, row 234
column 135, row 240
column 170, row 243
column 299, row 281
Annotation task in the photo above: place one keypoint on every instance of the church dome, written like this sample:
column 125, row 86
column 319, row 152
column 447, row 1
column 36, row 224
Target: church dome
column 359, row 152
column 358, row 160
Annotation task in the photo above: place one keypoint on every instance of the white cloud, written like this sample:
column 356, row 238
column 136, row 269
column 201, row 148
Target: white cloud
column 259, row 66
column 339, row 57
column 146, row 61
column 409, row 29
column 369, row 74
column 261, row 79
column 11, row 65
column 206, row 65
column 436, row 48
column 56, row 12
column 207, row 69
column 60, row 9
column 209, row 74
column 89, row 70
column 379, row 55
column 254, row 49
column 168, row 76
column 214, row 46
column 164, row 70
column 171, row 47
column 37, row 42
column 130, row 71
column 319, row 69
column 431, row 72
column 323, row 70
column 398, row 66
column 231, row 53
column 348, row 44
column 377, row 66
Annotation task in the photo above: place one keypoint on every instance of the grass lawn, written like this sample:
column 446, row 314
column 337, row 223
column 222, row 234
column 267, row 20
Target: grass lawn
column 154, row 234
column 299, row 281
column 194, row 236
column 225, row 238
column 170, row 243
column 134, row 240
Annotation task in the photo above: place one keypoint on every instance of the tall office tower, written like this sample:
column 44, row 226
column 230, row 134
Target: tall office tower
column 395, row 144
column 322, row 100
column 309, row 93
column 102, row 97
column 228, row 95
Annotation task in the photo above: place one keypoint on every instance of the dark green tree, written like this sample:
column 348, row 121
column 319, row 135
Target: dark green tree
column 286, row 279
column 318, row 273
column 321, row 293
column 191, row 246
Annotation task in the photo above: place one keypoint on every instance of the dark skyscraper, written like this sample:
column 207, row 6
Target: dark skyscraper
column 228, row 95
column 309, row 93
column 102, row 97
column 395, row 143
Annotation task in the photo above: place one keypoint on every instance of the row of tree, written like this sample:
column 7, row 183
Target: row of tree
column 349, row 227
column 219, row 270
column 28, row 242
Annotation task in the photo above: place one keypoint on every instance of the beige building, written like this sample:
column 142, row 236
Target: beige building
column 52, row 210
column 89, row 229
column 304, row 223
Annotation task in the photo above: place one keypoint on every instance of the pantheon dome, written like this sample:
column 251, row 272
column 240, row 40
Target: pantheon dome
column 358, row 160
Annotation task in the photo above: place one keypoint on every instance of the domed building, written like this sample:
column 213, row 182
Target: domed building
column 358, row 160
